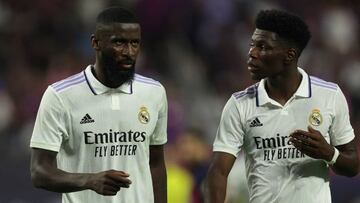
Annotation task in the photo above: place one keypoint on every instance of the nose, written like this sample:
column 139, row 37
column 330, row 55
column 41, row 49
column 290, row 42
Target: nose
column 128, row 50
column 252, row 52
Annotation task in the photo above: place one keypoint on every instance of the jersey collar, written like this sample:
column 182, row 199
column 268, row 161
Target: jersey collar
column 97, row 87
column 304, row 90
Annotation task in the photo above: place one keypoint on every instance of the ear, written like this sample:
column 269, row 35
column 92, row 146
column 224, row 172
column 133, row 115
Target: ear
column 291, row 55
column 95, row 42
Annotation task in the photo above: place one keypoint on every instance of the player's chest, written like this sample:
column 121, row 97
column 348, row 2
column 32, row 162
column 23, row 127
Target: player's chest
column 116, row 114
column 278, row 123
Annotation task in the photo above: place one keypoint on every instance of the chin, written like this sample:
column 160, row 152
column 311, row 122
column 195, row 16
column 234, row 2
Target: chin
column 256, row 77
column 119, row 77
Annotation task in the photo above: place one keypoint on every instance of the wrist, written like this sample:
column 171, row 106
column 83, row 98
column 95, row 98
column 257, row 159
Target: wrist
column 334, row 157
column 86, row 182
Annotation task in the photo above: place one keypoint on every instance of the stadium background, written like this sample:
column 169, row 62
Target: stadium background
column 196, row 48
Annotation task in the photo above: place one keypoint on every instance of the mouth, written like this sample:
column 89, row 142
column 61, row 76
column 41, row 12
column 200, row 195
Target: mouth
column 127, row 64
column 252, row 67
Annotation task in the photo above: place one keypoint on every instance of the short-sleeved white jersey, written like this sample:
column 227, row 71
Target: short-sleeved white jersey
column 95, row 128
column 276, row 171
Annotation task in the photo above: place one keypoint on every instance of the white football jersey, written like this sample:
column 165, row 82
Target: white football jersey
column 95, row 128
column 276, row 171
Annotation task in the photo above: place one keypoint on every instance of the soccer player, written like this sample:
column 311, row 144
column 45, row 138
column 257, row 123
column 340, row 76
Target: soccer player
column 293, row 127
column 99, row 134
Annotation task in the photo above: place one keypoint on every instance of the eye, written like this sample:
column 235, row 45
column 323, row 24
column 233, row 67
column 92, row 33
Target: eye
column 261, row 46
column 119, row 42
column 134, row 43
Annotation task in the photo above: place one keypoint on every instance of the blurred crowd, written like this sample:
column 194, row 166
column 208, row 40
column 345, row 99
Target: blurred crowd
column 196, row 48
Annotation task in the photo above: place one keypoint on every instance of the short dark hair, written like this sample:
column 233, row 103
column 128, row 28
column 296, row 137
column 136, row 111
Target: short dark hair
column 116, row 15
column 288, row 26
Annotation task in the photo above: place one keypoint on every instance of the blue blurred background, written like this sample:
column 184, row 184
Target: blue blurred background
column 196, row 48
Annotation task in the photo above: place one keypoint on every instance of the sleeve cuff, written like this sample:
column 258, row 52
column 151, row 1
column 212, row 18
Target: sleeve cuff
column 158, row 143
column 50, row 147
column 344, row 140
column 228, row 150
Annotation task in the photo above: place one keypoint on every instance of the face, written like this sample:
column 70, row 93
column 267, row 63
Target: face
column 117, row 47
column 266, row 55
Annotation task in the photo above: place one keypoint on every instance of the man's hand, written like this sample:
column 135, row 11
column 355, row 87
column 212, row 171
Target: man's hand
column 108, row 182
column 312, row 143
column 46, row 175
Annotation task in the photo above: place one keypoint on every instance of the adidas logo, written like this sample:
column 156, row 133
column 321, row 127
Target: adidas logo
column 86, row 119
column 255, row 123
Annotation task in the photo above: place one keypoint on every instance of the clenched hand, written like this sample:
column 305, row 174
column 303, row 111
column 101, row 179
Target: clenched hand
column 108, row 182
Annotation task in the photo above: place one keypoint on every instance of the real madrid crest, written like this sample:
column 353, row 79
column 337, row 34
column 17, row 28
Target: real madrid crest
column 144, row 116
column 315, row 117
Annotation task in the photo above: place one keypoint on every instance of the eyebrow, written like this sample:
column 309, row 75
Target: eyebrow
column 124, row 38
column 273, row 36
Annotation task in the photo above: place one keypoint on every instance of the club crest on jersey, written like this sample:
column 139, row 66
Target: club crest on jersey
column 315, row 117
column 144, row 116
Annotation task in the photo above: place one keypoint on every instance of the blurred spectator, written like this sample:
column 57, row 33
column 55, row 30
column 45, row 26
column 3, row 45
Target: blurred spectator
column 188, row 157
column 6, row 108
column 180, row 180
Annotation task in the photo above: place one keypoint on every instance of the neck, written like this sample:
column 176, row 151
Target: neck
column 99, row 74
column 282, row 87
column 111, row 76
